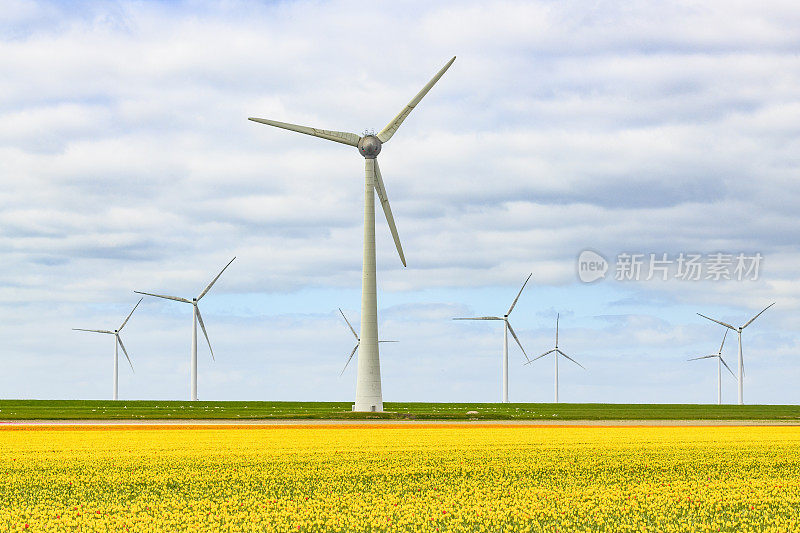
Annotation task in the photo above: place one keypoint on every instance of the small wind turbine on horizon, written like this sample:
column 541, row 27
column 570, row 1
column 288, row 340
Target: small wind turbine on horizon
column 117, row 345
column 720, row 362
column 557, row 351
column 506, row 329
column 196, row 317
column 739, row 335
column 358, row 342
column 368, row 382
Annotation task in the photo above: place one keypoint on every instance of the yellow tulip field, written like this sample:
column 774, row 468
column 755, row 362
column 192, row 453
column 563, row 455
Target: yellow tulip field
column 399, row 478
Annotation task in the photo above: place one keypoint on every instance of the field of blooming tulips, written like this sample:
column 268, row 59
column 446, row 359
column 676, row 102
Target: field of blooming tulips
column 415, row 478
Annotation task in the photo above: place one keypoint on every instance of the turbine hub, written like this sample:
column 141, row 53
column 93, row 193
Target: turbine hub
column 369, row 146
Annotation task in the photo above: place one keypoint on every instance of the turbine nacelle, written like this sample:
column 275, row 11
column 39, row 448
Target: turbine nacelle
column 369, row 146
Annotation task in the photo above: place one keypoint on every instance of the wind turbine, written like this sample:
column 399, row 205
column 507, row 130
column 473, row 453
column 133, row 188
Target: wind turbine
column 117, row 345
column 368, row 382
column 506, row 329
column 557, row 351
column 720, row 362
column 739, row 334
column 196, row 317
column 358, row 342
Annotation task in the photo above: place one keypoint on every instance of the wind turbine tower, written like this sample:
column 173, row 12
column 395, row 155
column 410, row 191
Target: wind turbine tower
column 720, row 362
column 556, row 351
column 368, row 383
column 739, row 336
column 196, row 317
column 117, row 345
column 506, row 329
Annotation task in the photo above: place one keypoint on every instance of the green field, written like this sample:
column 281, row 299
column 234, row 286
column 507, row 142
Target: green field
column 173, row 410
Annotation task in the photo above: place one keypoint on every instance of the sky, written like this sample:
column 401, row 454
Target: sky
column 622, row 128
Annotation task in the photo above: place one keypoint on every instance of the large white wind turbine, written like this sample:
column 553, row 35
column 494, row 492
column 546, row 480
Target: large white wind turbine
column 720, row 362
column 556, row 352
column 358, row 341
column 368, row 382
column 506, row 329
column 196, row 317
column 739, row 334
column 117, row 345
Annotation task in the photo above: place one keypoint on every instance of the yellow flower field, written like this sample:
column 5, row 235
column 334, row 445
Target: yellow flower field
column 416, row 478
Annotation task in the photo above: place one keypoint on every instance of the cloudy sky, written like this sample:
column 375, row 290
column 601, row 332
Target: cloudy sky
column 127, row 163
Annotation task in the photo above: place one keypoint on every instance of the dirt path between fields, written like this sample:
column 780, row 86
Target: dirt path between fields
column 401, row 423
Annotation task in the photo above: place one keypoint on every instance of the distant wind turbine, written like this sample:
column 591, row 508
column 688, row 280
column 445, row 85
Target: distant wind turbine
column 368, row 382
column 720, row 362
column 196, row 317
column 358, row 341
column 739, row 334
column 506, row 329
column 117, row 345
column 557, row 351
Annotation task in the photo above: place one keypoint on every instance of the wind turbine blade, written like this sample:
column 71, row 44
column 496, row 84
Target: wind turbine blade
column 213, row 281
column 387, row 132
column 380, row 188
column 119, row 340
column 729, row 368
column 758, row 315
column 718, row 322
column 571, row 359
column 518, row 295
column 480, row 318
column 516, row 339
column 336, row 136
column 539, row 357
column 348, row 324
column 723, row 342
column 176, row 298
column 203, row 327
column 558, row 315
column 94, row 330
column 348, row 359
column 388, row 341
column 703, row 357
column 129, row 314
